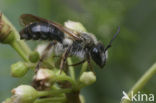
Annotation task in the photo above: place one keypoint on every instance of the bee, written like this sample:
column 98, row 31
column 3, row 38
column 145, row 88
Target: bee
column 65, row 41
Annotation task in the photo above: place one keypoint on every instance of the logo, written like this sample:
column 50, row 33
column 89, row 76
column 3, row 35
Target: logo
column 138, row 97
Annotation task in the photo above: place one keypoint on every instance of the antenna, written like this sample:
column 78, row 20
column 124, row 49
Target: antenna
column 115, row 35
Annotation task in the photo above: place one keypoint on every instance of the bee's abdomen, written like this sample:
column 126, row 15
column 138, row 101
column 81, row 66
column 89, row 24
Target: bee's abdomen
column 41, row 31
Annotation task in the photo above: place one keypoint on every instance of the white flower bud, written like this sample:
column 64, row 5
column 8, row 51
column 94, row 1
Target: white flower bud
column 87, row 78
column 44, row 74
column 24, row 94
column 76, row 26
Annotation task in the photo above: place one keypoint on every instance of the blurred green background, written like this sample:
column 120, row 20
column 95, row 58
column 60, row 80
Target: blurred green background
column 132, row 53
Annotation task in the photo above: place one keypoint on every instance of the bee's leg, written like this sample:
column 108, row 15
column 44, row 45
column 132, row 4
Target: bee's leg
column 64, row 58
column 44, row 54
column 78, row 63
column 89, row 62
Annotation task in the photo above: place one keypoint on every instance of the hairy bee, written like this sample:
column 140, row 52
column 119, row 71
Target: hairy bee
column 64, row 40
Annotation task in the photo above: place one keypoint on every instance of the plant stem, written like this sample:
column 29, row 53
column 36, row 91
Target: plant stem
column 51, row 100
column 142, row 81
column 24, row 46
column 53, row 92
column 66, row 78
column 71, row 69
column 19, row 51
column 84, row 68
column 73, row 97
column 20, row 46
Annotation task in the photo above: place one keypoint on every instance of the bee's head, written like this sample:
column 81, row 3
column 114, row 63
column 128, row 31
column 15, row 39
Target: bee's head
column 98, row 54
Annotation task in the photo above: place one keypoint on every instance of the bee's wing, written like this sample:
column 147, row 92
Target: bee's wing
column 26, row 19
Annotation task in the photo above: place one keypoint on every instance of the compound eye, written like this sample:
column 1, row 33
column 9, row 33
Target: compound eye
column 95, row 51
column 98, row 55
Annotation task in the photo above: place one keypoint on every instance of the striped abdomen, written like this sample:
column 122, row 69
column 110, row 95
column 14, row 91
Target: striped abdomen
column 42, row 31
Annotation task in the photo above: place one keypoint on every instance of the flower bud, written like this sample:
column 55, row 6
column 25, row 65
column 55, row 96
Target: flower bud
column 45, row 78
column 76, row 26
column 24, row 94
column 45, row 74
column 6, row 32
column 87, row 78
column 34, row 57
column 19, row 69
